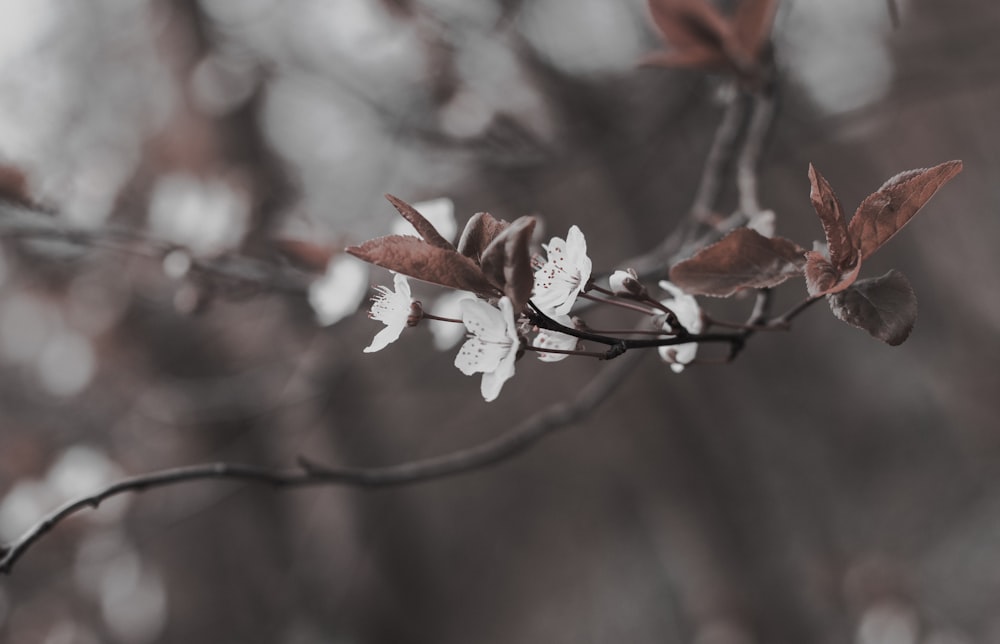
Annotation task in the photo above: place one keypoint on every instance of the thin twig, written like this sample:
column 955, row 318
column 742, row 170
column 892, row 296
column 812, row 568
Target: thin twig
column 753, row 143
column 492, row 452
column 719, row 156
column 30, row 225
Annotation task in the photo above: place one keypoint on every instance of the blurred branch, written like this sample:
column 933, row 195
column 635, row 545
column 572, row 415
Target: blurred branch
column 719, row 157
column 493, row 452
column 746, row 164
column 19, row 223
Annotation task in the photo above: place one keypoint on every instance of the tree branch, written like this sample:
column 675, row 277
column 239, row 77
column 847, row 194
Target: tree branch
column 495, row 451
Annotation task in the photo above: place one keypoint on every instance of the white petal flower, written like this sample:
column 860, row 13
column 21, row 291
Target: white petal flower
column 446, row 335
column 391, row 308
column 339, row 292
column 492, row 347
column 547, row 339
column 688, row 313
column 564, row 275
column 439, row 212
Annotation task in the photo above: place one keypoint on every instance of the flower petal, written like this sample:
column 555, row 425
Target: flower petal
column 493, row 381
column 385, row 337
column 555, row 340
column 484, row 321
column 477, row 356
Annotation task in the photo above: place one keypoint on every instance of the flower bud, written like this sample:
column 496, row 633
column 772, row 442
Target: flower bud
column 627, row 283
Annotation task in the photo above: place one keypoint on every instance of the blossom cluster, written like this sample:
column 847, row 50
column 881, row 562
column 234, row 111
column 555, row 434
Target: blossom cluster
column 516, row 300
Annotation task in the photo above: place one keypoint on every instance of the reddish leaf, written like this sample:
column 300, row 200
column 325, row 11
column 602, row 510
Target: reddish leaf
column 698, row 35
column 14, row 186
column 307, row 255
column 885, row 212
column 752, row 24
column 418, row 259
column 822, row 278
column 885, row 307
column 507, row 260
column 687, row 24
column 424, row 227
column 831, row 214
column 480, row 230
column 519, row 278
column 742, row 259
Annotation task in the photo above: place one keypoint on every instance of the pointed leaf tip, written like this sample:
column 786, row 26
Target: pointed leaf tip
column 831, row 215
column 425, row 228
column 882, row 214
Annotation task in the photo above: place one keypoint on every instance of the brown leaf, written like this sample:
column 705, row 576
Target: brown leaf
column 742, row 259
column 822, row 278
column 306, row 255
column 689, row 23
column 885, row 307
column 752, row 24
column 14, row 186
column 831, row 215
column 698, row 35
column 508, row 257
column 885, row 212
column 479, row 231
column 420, row 260
column 424, row 227
column 519, row 278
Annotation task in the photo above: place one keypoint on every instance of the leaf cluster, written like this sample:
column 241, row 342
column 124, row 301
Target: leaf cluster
column 886, row 306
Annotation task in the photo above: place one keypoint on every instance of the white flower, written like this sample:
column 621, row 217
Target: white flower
column 439, row 212
column 688, row 313
column 564, row 274
column 391, row 308
column 339, row 292
column 446, row 335
column 492, row 347
column 547, row 339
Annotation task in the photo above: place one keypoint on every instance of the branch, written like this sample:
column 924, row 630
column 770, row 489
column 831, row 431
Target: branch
column 719, row 157
column 746, row 164
column 19, row 223
column 495, row 451
column 619, row 345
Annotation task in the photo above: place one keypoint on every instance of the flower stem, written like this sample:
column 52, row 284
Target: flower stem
column 624, row 305
column 430, row 316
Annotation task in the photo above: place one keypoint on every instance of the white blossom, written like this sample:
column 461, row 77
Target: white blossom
column 340, row 291
column 564, row 275
column 547, row 339
column 492, row 347
column 688, row 313
column 391, row 308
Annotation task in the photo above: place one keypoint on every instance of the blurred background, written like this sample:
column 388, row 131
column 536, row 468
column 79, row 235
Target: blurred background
column 823, row 488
